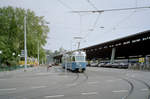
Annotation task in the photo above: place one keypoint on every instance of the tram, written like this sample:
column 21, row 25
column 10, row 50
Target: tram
column 74, row 61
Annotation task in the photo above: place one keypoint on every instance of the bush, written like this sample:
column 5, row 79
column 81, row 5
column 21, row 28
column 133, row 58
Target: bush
column 11, row 63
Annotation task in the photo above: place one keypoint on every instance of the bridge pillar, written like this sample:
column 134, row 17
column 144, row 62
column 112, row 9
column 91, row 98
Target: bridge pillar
column 147, row 62
column 113, row 55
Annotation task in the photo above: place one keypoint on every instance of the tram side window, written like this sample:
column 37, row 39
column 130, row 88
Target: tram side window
column 73, row 58
column 80, row 58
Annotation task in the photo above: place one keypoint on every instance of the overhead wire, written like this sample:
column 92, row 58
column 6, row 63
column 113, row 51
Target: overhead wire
column 100, row 11
column 121, row 21
column 93, row 26
column 96, row 21
column 92, row 4
column 110, row 10
column 126, row 18
column 80, row 14
column 65, row 5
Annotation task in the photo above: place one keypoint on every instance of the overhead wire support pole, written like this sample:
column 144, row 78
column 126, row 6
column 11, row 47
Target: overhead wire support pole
column 25, row 45
column 38, row 53
column 109, row 10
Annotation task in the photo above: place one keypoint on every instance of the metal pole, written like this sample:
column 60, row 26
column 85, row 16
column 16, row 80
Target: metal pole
column 25, row 46
column 0, row 59
column 38, row 53
column 78, row 44
column 65, row 63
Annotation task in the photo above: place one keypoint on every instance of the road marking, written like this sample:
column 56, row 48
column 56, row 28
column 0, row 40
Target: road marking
column 96, row 82
column 74, row 84
column 45, row 73
column 117, row 91
column 145, row 89
column 55, row 96
column 132, row 75
column 10, row 89
column 36, row 87
column 112, row 80
column 127, row 74
column 3, row 79
column 89, row 93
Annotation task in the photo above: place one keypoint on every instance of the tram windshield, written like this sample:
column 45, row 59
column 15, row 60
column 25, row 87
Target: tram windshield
column 80, row 58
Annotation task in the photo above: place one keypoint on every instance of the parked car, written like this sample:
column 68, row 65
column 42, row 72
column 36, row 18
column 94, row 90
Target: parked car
column 108, row 65
column 123, row 65
column 115, row 65
column 101, row 64
column 94, row 64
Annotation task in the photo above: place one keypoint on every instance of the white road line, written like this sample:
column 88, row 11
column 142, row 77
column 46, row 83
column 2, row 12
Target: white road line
column 89, row 93
column 74, row 84
column 3, row 79
column 113, row 80
column 36, row 87
column 96, row 82
column 110, row 80
column 117, row 91
column 145, row 89
column 132, row 75
column 10, row 89
column 55, row 96
column 127, row 74
column 45, row 73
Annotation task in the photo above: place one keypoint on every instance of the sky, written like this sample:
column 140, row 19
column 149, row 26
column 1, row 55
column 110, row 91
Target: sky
column 94, row 28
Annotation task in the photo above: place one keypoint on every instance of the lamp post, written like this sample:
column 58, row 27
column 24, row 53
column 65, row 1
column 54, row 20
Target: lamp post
column 19, row 57
column 0, row 57
column 25, row 46
column 38, row 53
column 39, row 49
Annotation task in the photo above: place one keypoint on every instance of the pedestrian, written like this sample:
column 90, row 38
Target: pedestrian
column 49, row 66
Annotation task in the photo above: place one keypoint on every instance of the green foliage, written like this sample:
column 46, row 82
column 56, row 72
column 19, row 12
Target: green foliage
column 12, row 33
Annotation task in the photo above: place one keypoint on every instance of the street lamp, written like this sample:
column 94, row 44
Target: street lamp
column 25, row 45
column 39, row 48
column 0, row 57
column 38, row 53
column 0, row 52
column 13, row 54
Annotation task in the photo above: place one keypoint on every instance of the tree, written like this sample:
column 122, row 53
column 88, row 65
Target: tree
column 12, row 33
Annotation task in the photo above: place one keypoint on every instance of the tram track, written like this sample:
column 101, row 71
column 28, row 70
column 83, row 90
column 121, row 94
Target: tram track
column 146, row 84
column 67, row 82
column 79, row 82
column 131, row 88
column 74, row 82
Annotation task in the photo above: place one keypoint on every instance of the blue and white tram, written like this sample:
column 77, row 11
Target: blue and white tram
column 75, row 61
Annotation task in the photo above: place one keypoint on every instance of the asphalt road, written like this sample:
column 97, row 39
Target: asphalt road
column 95, row 83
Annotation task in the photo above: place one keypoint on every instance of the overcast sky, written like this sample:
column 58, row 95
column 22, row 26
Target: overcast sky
column 65, row 25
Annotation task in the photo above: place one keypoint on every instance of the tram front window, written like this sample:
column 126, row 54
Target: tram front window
column 80, row 58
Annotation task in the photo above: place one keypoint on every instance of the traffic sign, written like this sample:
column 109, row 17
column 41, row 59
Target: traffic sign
column 141, row 60
column 22, row 52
